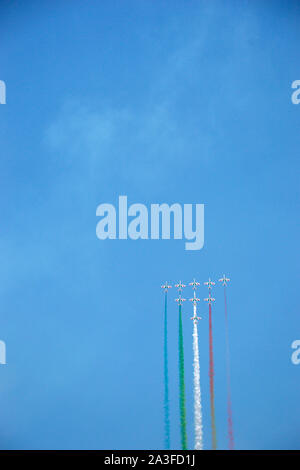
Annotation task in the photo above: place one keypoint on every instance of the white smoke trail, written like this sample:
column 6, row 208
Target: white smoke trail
column 197, row 393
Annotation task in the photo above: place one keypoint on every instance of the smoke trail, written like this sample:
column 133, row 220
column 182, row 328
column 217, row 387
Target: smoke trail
column 197, row 393
column 229, row 409
column 166, row 378
column 182, row 386
column 211, row 383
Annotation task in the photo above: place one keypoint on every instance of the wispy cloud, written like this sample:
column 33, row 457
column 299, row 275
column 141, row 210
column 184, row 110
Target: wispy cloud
column 130, row 142
column 138, row 142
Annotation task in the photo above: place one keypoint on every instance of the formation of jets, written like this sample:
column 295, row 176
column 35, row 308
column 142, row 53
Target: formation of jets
column 166, row 287
column 195, row 300
column 180, row 286
column 195, row 318
column 209, row 299
column 179, row 300
column 223, row 280
column 194, row 284
column 209, row 283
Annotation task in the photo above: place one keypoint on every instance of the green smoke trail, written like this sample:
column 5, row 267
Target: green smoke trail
column 166, row 377
column 182, row 386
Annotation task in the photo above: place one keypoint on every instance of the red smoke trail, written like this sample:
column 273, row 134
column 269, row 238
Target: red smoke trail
column 229, row 409
column 211, row 383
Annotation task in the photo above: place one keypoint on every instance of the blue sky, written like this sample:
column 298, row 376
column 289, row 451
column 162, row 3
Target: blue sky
column 168, row 101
